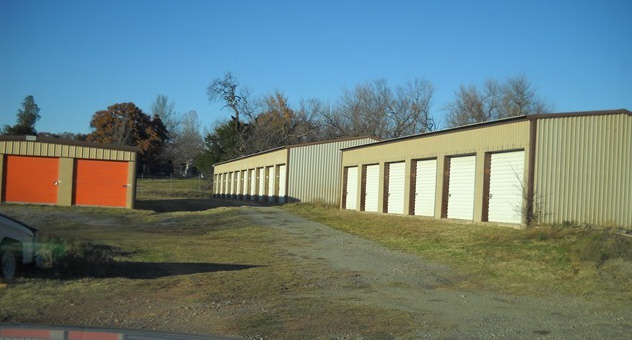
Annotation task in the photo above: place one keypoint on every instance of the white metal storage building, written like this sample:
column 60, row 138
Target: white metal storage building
column 551, row 168
column 297, row 173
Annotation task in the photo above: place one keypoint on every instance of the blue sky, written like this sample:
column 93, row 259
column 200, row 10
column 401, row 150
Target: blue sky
column 78, row 57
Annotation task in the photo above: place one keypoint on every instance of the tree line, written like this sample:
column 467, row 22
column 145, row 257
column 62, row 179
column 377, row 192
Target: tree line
column 169, row 142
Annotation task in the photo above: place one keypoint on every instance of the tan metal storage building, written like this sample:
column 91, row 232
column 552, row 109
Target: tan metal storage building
column 296, row 173
column 552, row 168
column 62, row 172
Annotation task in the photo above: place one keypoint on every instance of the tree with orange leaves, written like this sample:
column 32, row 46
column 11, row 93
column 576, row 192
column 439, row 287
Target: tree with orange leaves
column 126, row 124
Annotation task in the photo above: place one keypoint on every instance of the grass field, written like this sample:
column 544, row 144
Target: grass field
column 535, row 261
column 184, row 262
column 160, row 188
column 205, row 271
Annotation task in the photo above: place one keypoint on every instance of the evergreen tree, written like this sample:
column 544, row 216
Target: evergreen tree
column 27, row 117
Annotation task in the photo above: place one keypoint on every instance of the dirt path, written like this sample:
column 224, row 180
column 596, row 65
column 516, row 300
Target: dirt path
column 396, row 280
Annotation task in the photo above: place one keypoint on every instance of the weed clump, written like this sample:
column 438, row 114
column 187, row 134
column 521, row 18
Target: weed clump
column 601, row 246
column 69, row 257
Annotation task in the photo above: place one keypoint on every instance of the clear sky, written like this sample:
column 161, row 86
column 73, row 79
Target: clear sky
column 78, row 57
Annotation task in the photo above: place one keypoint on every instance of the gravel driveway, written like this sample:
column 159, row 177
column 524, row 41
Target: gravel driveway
column 395, row 280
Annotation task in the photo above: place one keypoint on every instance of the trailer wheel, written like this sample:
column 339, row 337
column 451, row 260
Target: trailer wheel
column 8, row 262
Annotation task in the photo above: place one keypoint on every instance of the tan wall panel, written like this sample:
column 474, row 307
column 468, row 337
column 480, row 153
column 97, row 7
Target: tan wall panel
column 582, row 169
column 256, row 161
column 478, row 141
column 512, row 135
column 65, row 182
column 131, row 185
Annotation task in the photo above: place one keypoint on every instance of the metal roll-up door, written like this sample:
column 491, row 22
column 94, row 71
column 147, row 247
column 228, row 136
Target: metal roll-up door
column 282, row 181
column 396, row 183
column 235, row 184
column 253, row 184
column 224, row 189
column 231, row 185
column 425, row 187
column 271, row 184
column 371, row 188
column 351, row 188
column 506, row 187
column 461, row 187
column 249, row 184
column 238, row 182
column 262, row 184
column 100, row 183
column 30, row 179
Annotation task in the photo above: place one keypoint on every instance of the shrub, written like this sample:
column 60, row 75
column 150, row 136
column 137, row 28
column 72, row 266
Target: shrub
column 601, row 246
column 70, row 257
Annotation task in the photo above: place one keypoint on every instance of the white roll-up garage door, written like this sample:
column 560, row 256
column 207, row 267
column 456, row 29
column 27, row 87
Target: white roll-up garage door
column 238, row 185
column 231, row 184
column 282, row 189
column 461, row 187
column 262, row 184
column 425, row 187
column 396, row 182
column 351, row 189
column 505, row 187
column 253, row 184
column 371, row 188
column 271, row 184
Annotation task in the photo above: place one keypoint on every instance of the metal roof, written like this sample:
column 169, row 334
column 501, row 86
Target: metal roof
column 497, row 122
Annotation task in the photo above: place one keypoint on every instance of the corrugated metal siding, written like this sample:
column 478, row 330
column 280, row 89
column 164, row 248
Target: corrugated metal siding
column 582, row 170
column 32, row 148
column 315, row 171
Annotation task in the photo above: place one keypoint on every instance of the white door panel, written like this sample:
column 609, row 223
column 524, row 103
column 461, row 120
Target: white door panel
column 372, row 188
column 351, row 191
column 461, row 187
column 505, row 187
column 253, row 184
column 271, row 184
column 282, row 181
column 425, row 187
column 396, row 183
column 262, row 184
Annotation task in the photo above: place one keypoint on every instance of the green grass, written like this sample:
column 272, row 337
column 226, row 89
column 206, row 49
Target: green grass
column 150, row 188
column 536, row 261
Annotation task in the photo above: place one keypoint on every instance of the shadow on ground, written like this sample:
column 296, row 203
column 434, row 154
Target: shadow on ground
column 137, row 270
column 187, row 204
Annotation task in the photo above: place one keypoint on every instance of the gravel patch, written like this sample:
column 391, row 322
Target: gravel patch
column 378, row 276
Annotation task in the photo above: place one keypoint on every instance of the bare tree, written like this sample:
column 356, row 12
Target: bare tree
column 226, row 90
column 278, row 124
column 374, row 108
column 167, row 113
column 188, row 143
column 515, row 97
column 519, row 98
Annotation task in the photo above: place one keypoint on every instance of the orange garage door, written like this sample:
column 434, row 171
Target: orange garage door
column 30, row 179
column 100, row 183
